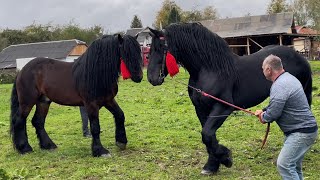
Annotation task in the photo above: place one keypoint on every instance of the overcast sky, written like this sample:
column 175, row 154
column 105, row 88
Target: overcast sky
column 112, row 15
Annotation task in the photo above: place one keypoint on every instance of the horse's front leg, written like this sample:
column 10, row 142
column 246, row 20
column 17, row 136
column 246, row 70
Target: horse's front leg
column 218, row 154
column 96, row 146
column 119, row 118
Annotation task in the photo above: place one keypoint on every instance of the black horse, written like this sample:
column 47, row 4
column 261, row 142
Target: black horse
column 214, row 69
column 92, row 81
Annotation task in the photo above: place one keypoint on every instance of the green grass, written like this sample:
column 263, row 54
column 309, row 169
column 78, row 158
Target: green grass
column 164, row 140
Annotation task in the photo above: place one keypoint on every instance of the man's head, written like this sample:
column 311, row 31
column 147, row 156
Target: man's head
column 272, row 67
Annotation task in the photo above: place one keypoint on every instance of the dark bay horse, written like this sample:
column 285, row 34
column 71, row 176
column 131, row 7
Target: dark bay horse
column 214, row 69
column 92, row 81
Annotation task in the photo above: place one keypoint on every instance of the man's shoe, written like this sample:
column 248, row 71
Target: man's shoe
column 87, row 135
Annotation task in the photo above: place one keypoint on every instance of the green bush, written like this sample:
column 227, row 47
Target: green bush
column 7, row 77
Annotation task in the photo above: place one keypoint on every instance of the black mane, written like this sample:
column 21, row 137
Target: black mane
column 200, row 47
column 98, row 68
column 131, row 54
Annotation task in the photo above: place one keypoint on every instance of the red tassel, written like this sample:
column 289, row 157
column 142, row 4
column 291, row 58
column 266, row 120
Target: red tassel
column 171, row 64
column 124, row 70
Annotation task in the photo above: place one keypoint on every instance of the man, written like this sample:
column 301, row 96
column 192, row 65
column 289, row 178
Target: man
column 85, row 119
column 289, row 107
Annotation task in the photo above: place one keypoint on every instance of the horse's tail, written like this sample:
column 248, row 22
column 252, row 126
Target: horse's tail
column 308, row 89
column 14, row 107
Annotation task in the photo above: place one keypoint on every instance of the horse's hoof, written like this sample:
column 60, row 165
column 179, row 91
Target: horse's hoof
column 26, row 149
column 122, row 146
column 106, row 155
column 227, row 162
column 49, row 146
column 207, row 172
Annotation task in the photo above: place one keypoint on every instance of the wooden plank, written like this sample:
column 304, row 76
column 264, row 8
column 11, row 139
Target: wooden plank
column 248, row 46
column 78, row 50
column 256, row 43
column 235, row 45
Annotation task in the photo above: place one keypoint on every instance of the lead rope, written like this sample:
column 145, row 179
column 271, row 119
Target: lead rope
column 229, row 104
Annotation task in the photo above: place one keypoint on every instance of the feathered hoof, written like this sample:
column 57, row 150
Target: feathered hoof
column 121, row 146
column 207, row 172
column 25, row 149
column 106, row 155
column 49, row 146
column 227, row 162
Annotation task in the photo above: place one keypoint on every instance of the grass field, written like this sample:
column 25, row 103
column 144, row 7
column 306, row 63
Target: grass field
column 164, row 140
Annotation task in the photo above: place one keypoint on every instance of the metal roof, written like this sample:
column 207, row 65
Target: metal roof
column 51, row 49
column 134, row 31
column 280, row 23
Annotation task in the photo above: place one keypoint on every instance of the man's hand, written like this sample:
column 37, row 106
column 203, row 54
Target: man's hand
column 259, row 114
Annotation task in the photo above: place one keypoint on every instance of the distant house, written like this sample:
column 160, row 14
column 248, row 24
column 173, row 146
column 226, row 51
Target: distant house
column 16, row 56
column 144, row 39
column 246, row 35
column 306, row 44
column 142, row 34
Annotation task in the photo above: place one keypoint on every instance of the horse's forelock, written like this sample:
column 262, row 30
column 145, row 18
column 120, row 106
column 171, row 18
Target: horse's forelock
column 131, row 54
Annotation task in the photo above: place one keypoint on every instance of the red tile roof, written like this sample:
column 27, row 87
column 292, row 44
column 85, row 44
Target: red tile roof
column 305, row 30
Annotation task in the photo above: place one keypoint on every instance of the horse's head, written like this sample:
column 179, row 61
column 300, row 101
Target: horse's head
column 130, row 52
column 157, row 70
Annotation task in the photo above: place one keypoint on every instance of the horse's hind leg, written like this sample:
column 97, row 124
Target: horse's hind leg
column 38, row 121
column 19, row 130
column 119, row 118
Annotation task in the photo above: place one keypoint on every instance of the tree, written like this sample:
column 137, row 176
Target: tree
column 3, row 43
column 163, row 15
column 136, row 22
column 174, row 16
column 38, row 33
column 313, row 8
column 277, row 6
column 14, row 36
column 299, row 9
column 41, row 33
column 192, row 16
column 210, row 13
column 73, row 31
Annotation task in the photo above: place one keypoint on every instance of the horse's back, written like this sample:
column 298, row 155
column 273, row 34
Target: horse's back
column 251, row 74
column 51, row 78
column 292, row 61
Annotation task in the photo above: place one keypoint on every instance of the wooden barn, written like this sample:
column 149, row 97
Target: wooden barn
column 249, row 34
column 15, row 57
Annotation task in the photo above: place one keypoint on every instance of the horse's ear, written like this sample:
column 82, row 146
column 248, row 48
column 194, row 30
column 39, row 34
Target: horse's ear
column 155, row 33
column 120, row 38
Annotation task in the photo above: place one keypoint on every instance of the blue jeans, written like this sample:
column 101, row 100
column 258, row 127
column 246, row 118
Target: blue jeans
column 85, row 119
column 295, row 146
